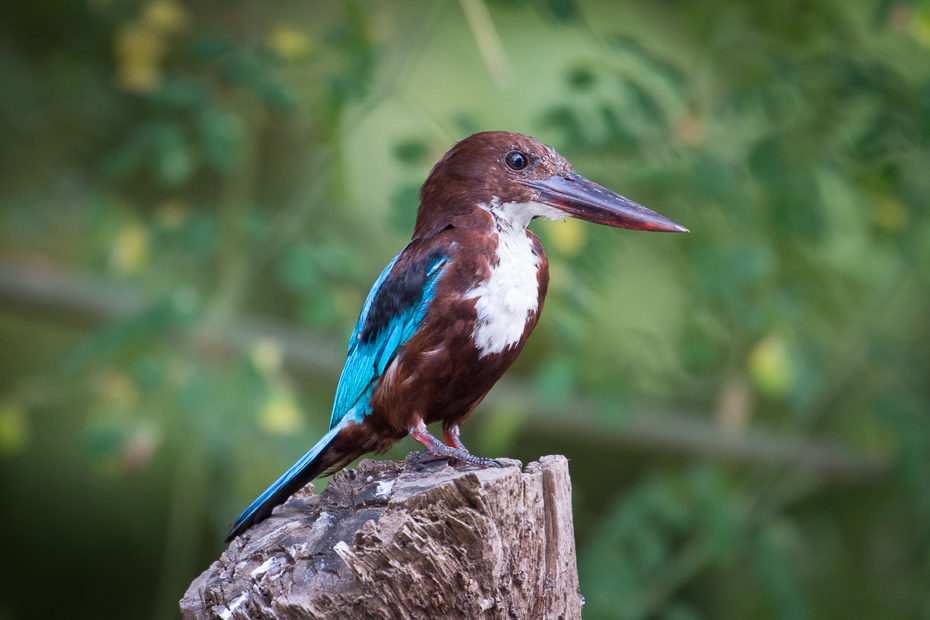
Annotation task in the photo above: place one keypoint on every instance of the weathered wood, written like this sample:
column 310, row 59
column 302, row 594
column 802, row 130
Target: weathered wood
column 402, row 540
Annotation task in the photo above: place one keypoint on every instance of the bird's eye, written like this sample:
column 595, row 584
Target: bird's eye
column 516, row 160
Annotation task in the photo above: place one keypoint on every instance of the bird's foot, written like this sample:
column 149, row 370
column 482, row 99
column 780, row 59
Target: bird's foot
column 479, row 461
column 463, row 456
column 436, row 450
column 425, row 456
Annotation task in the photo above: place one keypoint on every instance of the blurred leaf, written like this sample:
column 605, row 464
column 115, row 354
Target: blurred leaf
column 320, row 310
column 167, row 16
column 619, row 138
column 771, row 366
column 299, row 269
column 208, row 46
column 244, row 67
column 562, row 10
column 130, row 251
column 14, row 429
column 790, row 191
column 466, row 123
column 103, row 442
column 646, row 105
column 279, row 97
column 117, row 389
column 267, row 356
column 703, row 347
column 139, row 51
column 148, row 372
column 129, row 155
column 289, row 43
column 568, row 236
column 223, row 136
column 411, row 152
column 920, row 25
column 555, row 380
column 173, row 159
column 280, row 415
column 200, row 233
column 912, row 430
column 925, row 111
column 404, row 205
column 181, row 94
column 779, row 577
column 636, row 53
column 718, row 513
column 502, row 428
column 172, row 214
column 352, row 39
column 680, row 611
column 581, row 78
column 564, row 120
column 890, row 214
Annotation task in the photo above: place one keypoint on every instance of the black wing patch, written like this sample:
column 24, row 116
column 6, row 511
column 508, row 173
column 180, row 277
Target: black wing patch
column 398, row 293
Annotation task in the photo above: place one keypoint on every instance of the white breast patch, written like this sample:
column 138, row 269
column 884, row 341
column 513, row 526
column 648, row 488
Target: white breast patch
column 511, row 293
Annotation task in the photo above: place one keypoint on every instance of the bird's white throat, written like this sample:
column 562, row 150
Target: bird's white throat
column 519, row 214
column 505, row 300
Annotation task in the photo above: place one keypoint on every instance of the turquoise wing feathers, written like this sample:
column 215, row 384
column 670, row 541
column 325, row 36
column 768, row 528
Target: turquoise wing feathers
column 392, row 313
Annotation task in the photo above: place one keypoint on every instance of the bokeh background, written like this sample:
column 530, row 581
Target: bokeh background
column 196, row 195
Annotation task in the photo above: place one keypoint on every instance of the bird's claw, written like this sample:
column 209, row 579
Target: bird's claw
column 463, row 456
column 480, row 461
column 425, row 456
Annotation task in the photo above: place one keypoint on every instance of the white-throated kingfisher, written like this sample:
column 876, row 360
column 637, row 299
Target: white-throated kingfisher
column 453, row 310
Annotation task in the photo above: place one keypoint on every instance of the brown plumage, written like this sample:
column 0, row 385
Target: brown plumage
column 453, row 311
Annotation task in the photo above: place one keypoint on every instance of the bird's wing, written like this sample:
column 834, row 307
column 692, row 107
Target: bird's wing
column 392, row 313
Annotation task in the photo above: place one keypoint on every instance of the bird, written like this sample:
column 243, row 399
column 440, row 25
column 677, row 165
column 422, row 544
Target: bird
column 452, row 311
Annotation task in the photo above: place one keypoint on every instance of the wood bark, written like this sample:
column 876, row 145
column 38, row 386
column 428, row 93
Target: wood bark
column 404, row 540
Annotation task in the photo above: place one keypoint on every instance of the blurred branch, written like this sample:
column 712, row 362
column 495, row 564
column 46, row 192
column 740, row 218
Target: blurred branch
column 694, row 433
column 488, row 41
column 51, row 294
column 45, row 293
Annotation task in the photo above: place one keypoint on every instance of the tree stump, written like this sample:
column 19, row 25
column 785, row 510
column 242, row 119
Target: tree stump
column 404, row 540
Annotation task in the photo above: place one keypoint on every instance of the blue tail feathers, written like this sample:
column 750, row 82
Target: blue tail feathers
column 303, row 471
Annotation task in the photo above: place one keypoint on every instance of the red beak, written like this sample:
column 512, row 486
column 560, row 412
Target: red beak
column 582, row 199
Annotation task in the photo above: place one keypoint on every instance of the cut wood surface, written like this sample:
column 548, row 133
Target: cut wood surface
column 403, row 540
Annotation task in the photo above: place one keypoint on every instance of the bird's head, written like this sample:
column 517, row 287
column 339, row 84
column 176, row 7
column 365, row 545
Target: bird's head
column 519, row 178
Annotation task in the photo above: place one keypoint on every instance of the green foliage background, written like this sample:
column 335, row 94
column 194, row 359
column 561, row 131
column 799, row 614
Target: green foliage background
column 206, row 190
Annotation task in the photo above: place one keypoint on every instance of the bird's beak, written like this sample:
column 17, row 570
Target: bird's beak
column 580, row 198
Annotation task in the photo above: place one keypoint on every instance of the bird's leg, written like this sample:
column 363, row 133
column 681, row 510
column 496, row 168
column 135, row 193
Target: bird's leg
column 438, row 450
column 451, row 435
